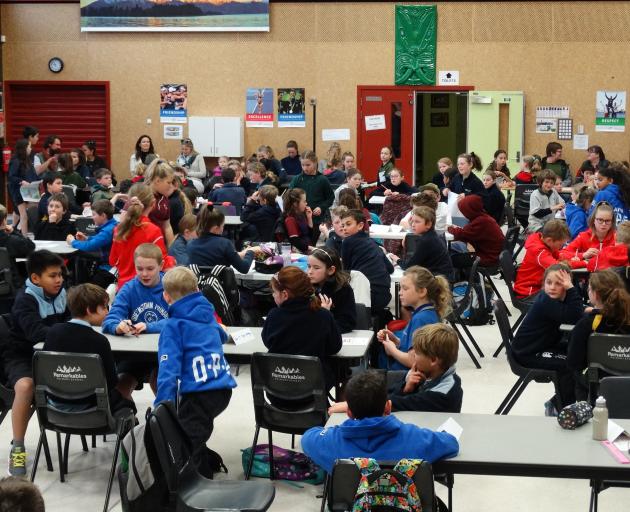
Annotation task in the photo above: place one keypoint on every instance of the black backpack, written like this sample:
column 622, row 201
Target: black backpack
column 218, row 284
column 479, row 309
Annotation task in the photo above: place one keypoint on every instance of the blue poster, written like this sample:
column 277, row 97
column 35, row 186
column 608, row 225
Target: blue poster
column 173, row 103
column 291, row 108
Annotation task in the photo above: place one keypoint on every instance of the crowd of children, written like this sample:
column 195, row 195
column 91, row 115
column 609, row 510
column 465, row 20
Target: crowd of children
column 318, row 207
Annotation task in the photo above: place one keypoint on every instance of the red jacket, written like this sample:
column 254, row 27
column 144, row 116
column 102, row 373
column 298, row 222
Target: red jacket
column 121, row 255
column 610, row 256
column 482, row 232
column 538, row 257
column 587, row 240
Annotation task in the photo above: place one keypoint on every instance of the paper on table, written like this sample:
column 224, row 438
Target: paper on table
column 453, row 208
column 355, row 341
column 618, row 436
column 452, row 427
column 242, row 336
column 380, row 228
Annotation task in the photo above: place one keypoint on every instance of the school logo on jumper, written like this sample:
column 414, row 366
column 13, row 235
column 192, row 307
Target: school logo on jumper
column 290, row 374
column 69, row 373
column 619, row 353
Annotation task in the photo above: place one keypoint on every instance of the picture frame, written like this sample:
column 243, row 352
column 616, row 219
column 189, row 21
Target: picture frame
column 439, row 119
column 439, row 100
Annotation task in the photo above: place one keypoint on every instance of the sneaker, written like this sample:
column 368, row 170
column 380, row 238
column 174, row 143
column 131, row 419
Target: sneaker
column 550, row 409
column 17, row 461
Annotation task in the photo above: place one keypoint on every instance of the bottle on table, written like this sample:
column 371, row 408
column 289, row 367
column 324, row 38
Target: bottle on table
column 600, row 420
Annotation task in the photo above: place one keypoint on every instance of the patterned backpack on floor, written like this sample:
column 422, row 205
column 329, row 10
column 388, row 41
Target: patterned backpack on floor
column 391, row 490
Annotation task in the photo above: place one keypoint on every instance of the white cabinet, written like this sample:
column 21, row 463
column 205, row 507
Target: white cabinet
column 217, row 136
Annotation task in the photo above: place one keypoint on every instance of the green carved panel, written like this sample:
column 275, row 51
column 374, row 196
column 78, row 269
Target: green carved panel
column 416, row 44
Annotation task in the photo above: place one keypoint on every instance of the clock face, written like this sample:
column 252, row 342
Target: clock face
column 55, row 64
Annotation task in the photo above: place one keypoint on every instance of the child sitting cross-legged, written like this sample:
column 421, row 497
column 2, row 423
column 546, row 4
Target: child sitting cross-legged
column 190, row 355
column 429, row 298
column 88, row 305
column 371, row 430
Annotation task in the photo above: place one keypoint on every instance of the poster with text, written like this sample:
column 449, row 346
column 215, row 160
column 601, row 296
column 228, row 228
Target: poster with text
column 259, row 108
column 173, row 103
column 610, row 111
column 291, row 108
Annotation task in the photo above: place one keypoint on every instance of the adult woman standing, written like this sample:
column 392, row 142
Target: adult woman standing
column 21, row 172
column 93, row 162
column 194, row 164
column 145, row 153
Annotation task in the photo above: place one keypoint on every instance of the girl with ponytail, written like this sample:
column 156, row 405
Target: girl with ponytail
column 135, row 229
column 610, row 314
column 466, row 182
column 299, row 325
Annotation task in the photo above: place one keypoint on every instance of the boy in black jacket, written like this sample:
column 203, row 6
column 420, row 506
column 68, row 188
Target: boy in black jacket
column 37, row 307
column 260, row 215
column 360, row 252
column 56, row 225
column 17, row 246
column 89, row 305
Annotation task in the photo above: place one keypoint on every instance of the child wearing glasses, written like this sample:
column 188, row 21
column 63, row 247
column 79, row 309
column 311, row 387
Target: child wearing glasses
column 601, row 234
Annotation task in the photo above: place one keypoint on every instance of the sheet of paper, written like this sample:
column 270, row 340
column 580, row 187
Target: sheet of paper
column 580, row 141
column 614, row 431
column 357, row 341
column 336, row 134
column 242, row 336
column 375, row 122
column 30, row 193
column 452, row 427
column 380, row 228
column 453, row 208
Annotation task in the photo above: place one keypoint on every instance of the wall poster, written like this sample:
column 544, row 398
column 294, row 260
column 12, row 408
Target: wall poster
column 259, row 108
column 291, row 108
column 610, row 111
column 173, row 103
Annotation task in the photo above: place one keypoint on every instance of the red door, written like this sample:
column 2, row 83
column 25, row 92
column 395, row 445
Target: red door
column 385, row 118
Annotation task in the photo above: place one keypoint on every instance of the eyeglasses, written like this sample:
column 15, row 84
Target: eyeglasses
column 603, row 221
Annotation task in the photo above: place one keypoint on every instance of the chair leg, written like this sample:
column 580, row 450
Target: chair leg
column 494, row 289
column 293, row 441
column 66, row 449
column 594, row 496
column 60, row 455
column 465, row 344
column 272, row 472
column 38, row 451
column 471, row 338
column 84, row 444
column 94, row 441
column 518, row 322
column 119, row 433
column 49, row 464
column 508, row 397
column 499, row 349
column 517, row 395
column 251, row 458
column 325, row 493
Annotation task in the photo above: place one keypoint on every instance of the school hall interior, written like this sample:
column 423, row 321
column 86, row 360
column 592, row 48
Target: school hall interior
column 511, row 56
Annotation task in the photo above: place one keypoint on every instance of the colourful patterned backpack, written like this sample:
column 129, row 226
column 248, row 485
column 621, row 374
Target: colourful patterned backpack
column 387, row 489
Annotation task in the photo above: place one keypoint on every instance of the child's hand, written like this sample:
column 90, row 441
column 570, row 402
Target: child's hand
column 565, row 278
column 394, row 259
column 24, row 183
column 387, row 192
column 308, row 212
column 389, row 346
column 139, row 328
column 326, row 302
column 7, row 229
column 317, row 212
column 323, row 229
column 80, row 236
column 52, row 218
column 124, row 327
column 386, row 333
column 445, row 191
column 590, row 253
column 413, row 379
column 338, row 407
column 70, row 239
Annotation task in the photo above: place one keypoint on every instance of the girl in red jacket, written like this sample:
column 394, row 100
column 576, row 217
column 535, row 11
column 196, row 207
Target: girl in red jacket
column 589, row 244
column 135, row 229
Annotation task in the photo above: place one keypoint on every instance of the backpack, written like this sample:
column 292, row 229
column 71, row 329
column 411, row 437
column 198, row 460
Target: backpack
column 479, row 309
column 218, row 285
column 392, row 490
column 287, row 464
column 141, row 479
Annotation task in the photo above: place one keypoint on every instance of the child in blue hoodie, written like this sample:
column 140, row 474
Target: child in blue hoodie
column 190, row 351
column 613, row 183
column 576, row 211
column 36, row 308
column 371, row 431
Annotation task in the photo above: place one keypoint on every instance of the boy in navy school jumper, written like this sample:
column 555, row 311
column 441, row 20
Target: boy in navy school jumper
column 360, row 252
column 88, row 304
column 230, row 191
column 431, row 384
column 37, row 307
column 211, row 248
column 371, row 431
column 186, row 231
column 190, row 352
column 52, row 185
column 260, row 215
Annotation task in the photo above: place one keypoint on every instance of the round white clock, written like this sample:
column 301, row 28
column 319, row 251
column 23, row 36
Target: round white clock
column 55, row 65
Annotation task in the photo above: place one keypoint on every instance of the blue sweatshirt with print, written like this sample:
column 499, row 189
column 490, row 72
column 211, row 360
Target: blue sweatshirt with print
column 138, row 303
column 190, row 350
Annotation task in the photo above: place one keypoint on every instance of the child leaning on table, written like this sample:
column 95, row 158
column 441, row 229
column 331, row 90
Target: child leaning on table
column 88, row 305
column 371, row 430
column 190, row 352
column 56, row 225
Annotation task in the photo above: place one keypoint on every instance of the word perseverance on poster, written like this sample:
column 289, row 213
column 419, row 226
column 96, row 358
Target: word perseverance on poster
column 259, row 108
column 173, row 103
column 610, row 111
column 174, row 15
column 291, row 108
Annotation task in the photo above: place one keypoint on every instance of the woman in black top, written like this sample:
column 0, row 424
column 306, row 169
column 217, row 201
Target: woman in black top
column 93, row 162
column 332, row 285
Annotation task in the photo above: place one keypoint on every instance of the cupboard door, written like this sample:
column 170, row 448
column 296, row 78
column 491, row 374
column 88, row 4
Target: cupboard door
column 228, row 136
column 201, row 132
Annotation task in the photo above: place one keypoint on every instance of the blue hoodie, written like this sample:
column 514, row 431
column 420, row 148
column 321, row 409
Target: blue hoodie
column 577, row 220
column 190, row 350
column 382, row 438
column 100, row 241
column 423, row 315
column 138, row 303
column 612, row 195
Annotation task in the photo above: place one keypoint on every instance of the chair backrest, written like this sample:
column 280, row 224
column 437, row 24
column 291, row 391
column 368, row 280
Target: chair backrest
column 364, row 317
column 506, row 264
column 522, row 194
column 295, row 384
column 32, row 214
column 361, row 288
column 511, row 238
column 171, row 442
column 85, row 225
column 616, row 391
column 6, row 275
column 74, row 378
column 345, row 480
column 227, row 210
column 607, row 352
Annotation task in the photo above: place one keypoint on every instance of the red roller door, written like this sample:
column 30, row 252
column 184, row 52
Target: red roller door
column 75, row 111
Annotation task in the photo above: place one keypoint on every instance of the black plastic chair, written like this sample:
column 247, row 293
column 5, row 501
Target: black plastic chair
column 509, row 274
column 78, row 378
column 190, row 491
column 511, row 238
column 289, row 397
column 340, row 487
column 525, row 375
column 364, row 317
column 606, row 352
column 85, row 225
column 455, row 316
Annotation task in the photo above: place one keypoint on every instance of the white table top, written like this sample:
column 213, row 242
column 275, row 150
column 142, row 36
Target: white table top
column 54, row 246
column 377, row 200
column 148, row 343
column 395, row 232
column 233, row 220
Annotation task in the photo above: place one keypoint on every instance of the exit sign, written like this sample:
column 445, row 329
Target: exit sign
column 448, row 78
